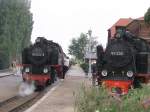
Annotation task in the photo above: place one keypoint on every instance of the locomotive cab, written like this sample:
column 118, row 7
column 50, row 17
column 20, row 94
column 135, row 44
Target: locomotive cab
column 142, row 61
column 57, row 60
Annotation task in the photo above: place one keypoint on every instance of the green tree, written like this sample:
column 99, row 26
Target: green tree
column 15, row 27
column 147, row 16
column 77, row 47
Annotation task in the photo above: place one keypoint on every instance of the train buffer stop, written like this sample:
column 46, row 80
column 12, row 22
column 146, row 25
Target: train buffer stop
column 61, row 97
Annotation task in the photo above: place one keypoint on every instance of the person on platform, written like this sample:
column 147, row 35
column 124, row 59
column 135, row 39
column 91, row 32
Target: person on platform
column 66, row 65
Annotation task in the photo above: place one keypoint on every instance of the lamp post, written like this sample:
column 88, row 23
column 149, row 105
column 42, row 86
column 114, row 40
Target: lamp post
column 90, row 37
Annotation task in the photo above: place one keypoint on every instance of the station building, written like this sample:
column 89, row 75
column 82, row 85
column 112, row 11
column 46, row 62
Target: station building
column 136, row 26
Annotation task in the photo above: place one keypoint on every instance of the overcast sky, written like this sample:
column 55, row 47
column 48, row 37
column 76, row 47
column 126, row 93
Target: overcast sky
column 61, row 20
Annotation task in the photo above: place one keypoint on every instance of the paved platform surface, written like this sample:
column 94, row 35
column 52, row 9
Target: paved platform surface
column 9, row 86
column 75, row 71
column 61, row 98
column 5, row 74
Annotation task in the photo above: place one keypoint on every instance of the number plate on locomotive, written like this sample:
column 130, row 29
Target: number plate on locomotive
column 117, row 53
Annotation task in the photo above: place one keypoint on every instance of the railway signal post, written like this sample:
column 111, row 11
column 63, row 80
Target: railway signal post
column 90, row 33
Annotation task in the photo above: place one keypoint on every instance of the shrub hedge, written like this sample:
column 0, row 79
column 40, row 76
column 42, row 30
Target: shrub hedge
column 97, row 99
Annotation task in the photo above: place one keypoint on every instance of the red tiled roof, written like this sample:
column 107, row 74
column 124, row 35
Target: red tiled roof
column 120, row 22
column 140, row 18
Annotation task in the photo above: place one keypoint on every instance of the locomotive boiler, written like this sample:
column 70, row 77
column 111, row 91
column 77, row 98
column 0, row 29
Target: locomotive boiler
column 41, row 62
column 124, row 63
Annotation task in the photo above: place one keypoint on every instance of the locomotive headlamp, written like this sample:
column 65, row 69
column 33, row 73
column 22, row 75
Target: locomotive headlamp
column 45, row 70
column 27, row 70
column 104, row 73
column 129, row 73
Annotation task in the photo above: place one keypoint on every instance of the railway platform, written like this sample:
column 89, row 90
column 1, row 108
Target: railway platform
column 9, row 84
column 5, row 74
column 61, row 97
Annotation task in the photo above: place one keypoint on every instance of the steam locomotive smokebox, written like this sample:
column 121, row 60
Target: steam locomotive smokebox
column 118, row 51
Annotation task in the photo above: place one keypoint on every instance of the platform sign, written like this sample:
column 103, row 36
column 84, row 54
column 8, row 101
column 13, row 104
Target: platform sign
column 90, row 55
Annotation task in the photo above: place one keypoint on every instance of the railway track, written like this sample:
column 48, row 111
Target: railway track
column 15, row 102
column 20, row 104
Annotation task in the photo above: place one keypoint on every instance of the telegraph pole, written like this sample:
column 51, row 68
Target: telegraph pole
column 90, row 37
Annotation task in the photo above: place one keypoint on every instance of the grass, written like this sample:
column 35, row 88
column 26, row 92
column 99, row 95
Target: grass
column 97, row 99
column 85, row 67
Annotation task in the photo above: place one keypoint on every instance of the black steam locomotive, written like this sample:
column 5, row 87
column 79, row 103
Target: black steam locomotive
column 42, row 62
column 124, row 63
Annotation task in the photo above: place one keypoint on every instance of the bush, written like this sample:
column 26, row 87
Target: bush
column 85, row 67
column 97, row 99
column 4, row 61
